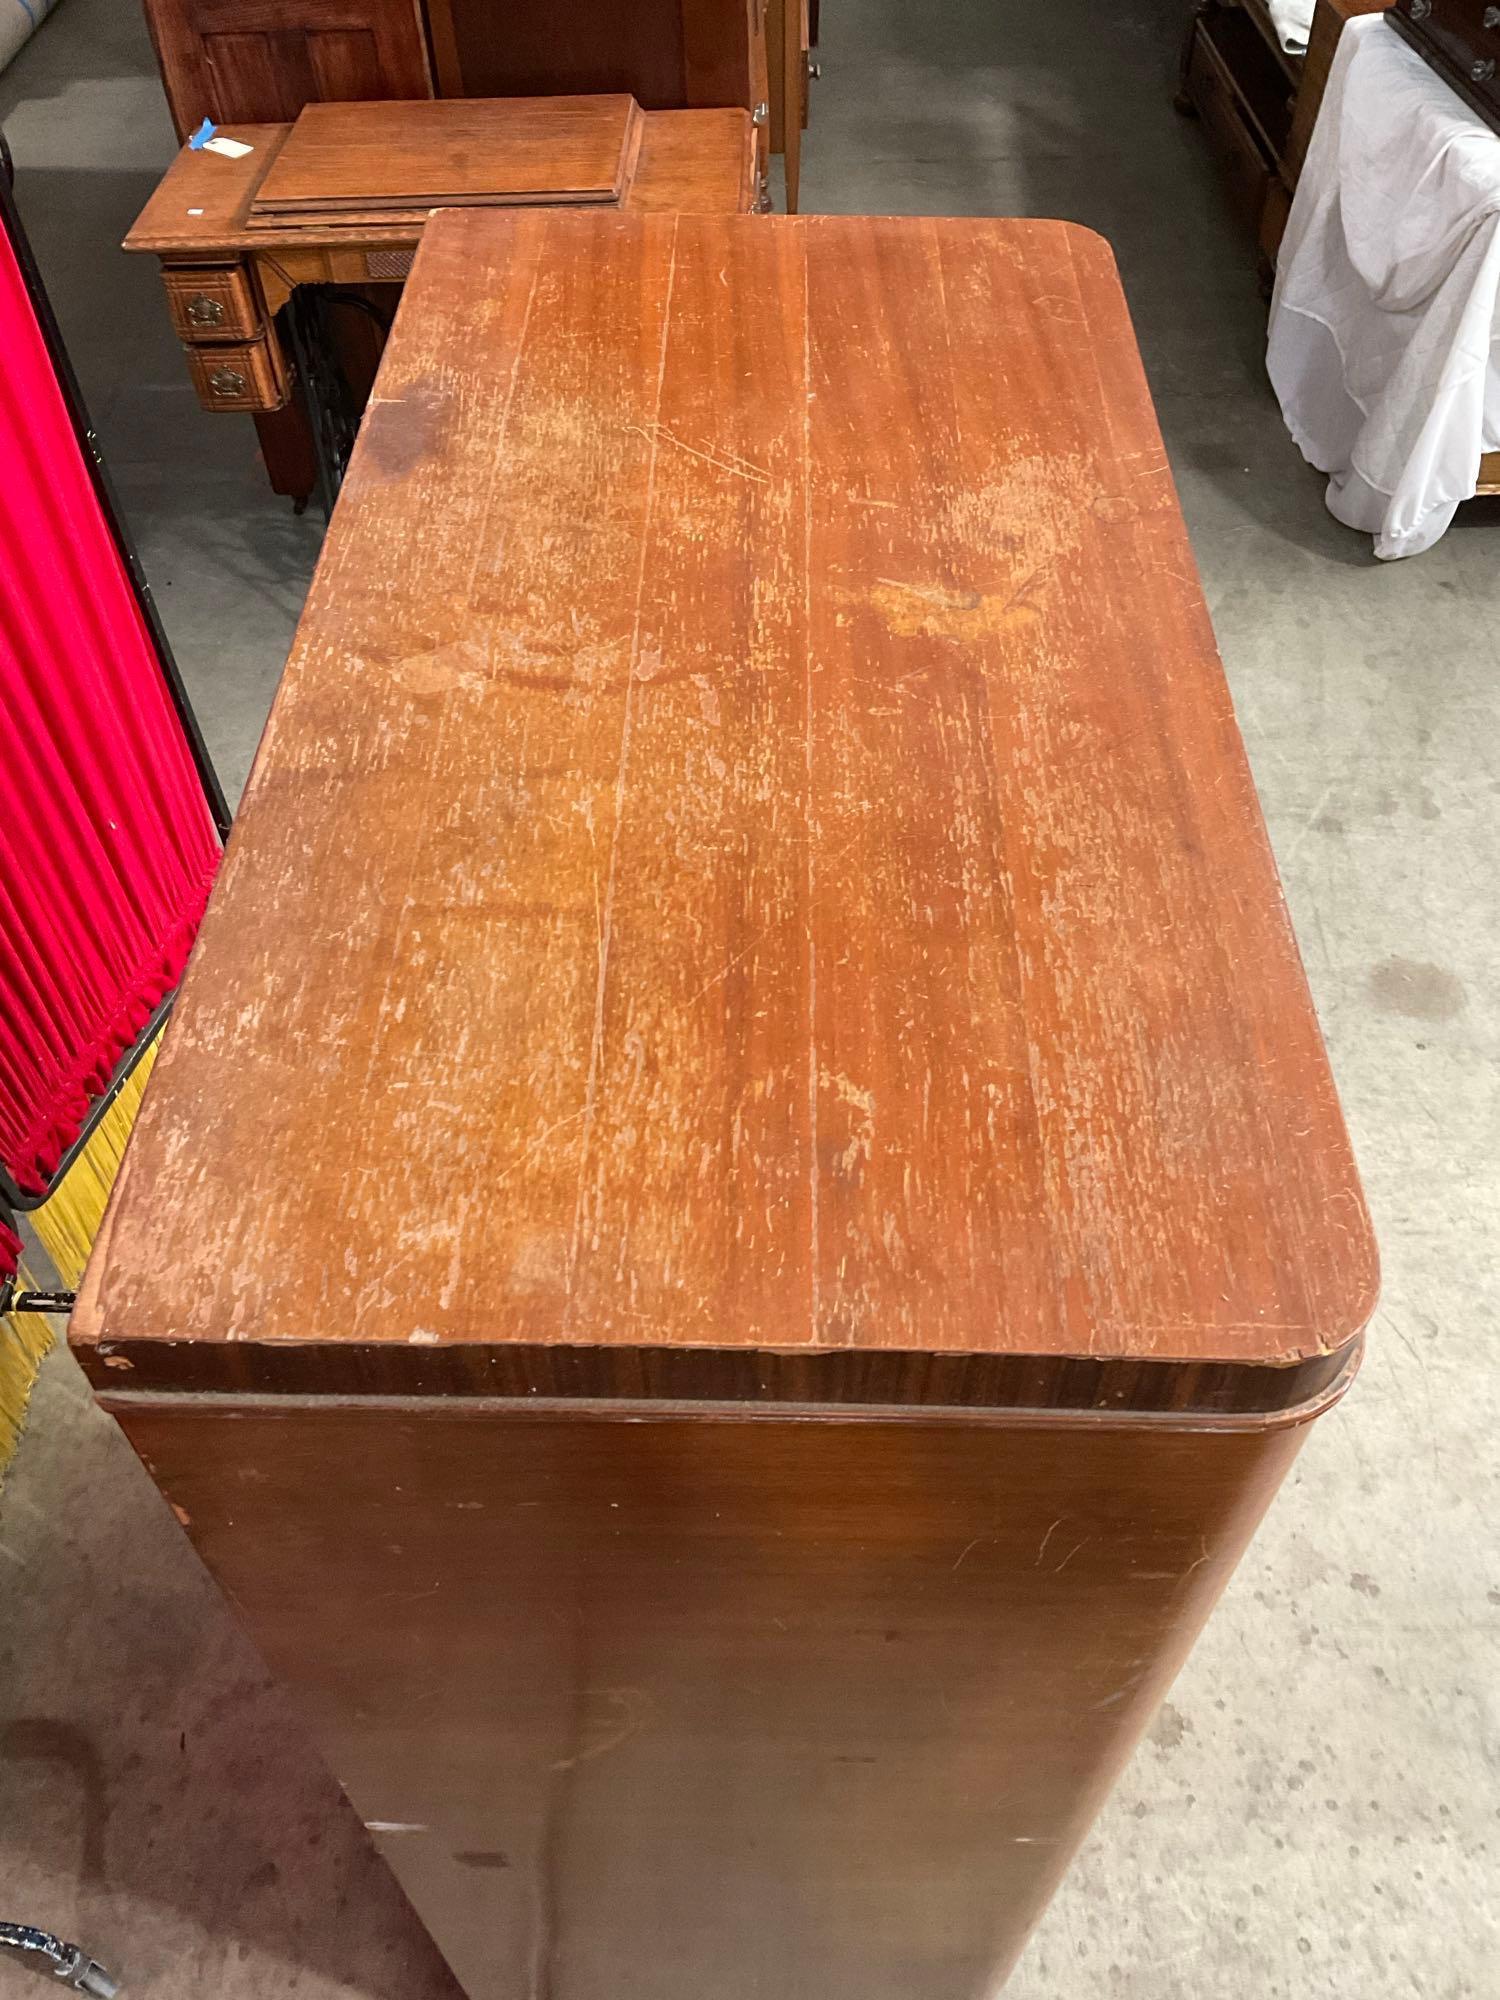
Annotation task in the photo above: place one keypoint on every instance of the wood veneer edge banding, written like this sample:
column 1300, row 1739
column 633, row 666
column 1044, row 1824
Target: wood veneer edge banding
column 103, row 1367
column 122, row 1401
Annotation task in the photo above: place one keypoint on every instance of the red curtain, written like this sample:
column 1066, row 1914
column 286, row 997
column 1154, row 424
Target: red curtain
column 107, row 848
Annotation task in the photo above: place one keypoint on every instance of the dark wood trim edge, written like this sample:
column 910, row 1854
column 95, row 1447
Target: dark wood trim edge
column 733, row 1381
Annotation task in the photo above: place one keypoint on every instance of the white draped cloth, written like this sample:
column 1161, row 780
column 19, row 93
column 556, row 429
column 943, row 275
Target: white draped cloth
column 1292, row 20
column 1386, row 314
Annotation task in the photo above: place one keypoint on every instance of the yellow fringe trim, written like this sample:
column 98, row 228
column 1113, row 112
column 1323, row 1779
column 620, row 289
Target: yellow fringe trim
column 66, row 1225
column 68, row 1222
column 24, row 1339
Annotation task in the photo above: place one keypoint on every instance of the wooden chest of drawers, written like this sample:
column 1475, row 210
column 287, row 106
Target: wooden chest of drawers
column 1461, row 40
column 240, row 374
column 743, row 1206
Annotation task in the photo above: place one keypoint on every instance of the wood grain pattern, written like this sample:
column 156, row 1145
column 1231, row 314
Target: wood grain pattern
column 787, row 47
column 248, row 375
column 261, row 60
column 691, row 162
column 672, row 1709
column 752, row 850
column 695, row 163
column 202, row 201
column 426, row 153
column 512, row 48
column 209, row 303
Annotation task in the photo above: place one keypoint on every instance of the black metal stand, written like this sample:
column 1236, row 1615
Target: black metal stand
column 333, row 407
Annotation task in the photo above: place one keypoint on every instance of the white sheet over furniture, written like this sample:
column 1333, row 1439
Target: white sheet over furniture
column 1387, row 304
column 1292, row 20
column 19, row 19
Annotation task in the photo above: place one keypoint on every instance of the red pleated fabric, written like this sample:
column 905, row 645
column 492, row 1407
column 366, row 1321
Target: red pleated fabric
column 107, row 848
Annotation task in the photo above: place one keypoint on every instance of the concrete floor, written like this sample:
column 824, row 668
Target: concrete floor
column 1316, row 1810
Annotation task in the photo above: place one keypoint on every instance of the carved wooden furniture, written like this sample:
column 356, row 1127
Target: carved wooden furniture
column 341, row 199
column 259, row 61
column 744, row 1205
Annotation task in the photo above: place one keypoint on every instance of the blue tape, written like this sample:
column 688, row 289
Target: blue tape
column 202, row 136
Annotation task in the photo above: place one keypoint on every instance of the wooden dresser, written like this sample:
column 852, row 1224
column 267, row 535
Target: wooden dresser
column 743, row 1207
column 1329, row 17
column 1460, row 39
column 1259, row 104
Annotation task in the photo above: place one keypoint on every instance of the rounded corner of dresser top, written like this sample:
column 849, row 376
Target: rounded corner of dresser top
column 1086, row 244
column 1348, row 1327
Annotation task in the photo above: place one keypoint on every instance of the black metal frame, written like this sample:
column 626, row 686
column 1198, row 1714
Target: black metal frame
column 12, row 1197
column 333, row 409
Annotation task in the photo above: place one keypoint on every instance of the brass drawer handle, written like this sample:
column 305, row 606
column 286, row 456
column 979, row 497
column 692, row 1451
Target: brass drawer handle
column 227, row 382
column 204, row 311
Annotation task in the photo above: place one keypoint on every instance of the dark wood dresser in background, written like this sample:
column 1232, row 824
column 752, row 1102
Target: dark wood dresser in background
column 1460, row 39
column 1258, row 103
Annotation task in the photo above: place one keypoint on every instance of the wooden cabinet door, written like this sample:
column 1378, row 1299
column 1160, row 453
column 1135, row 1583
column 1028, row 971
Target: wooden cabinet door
column 788, row 41
column 666, row 53
column 260, row 61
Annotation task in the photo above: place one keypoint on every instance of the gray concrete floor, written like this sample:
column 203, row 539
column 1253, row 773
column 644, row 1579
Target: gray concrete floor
column 1316, row 1810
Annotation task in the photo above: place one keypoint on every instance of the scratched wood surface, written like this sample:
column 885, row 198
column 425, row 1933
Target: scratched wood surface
column 422, row 152
column 752, row 1710
column 689, row 161
column 752, row 849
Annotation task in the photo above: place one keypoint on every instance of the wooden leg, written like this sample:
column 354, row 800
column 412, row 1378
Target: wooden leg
column 1183, row 100
column 286, row 447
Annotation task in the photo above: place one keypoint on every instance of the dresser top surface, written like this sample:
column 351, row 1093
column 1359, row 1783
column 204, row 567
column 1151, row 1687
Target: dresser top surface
column 752, row 848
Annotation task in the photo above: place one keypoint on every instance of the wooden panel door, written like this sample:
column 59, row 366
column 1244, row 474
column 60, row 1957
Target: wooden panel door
column 260, row 61
column 668, row 54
